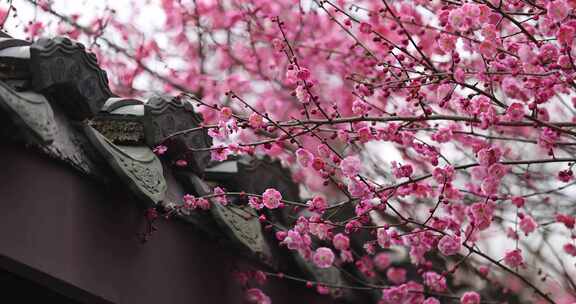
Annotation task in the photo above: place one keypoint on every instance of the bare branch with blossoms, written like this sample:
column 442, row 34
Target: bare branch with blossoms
column 435, row 139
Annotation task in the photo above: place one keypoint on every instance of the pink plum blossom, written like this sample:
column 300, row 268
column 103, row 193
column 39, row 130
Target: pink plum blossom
column 350, row 165
column 220, row 196
column 304, row 157
column 271, row 198
column 341, row 241
column 323, row 257
column 558, row 10
column 528, row 224
column 256, row 121
column 470, row 297
column 396, row 275
column 434, row 281
column 449, row 245
column 160, row 149
column 513, row 258
column 383, row 237
column 569, row 249
column 317, row 204
column 256, row 296
column 431, row 301
column 382, row 261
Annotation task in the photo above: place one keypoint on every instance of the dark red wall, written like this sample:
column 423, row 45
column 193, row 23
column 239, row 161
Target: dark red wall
column 78, row 237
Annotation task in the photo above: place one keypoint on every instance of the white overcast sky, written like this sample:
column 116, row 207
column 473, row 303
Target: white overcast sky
column 147, row 20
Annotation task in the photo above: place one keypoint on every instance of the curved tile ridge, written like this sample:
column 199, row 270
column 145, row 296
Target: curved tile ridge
column 121, row 121
column 14, row 48
column 115, row 105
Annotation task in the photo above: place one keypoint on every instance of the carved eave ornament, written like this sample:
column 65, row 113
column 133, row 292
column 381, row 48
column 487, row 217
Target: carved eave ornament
column 178, row 186
column 137, row 166
column 165, row 116
column 31, row 112
column 239, row 222
column 329, row 276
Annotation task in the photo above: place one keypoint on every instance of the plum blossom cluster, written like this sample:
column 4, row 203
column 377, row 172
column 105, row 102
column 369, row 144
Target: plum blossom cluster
column 433, row 141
